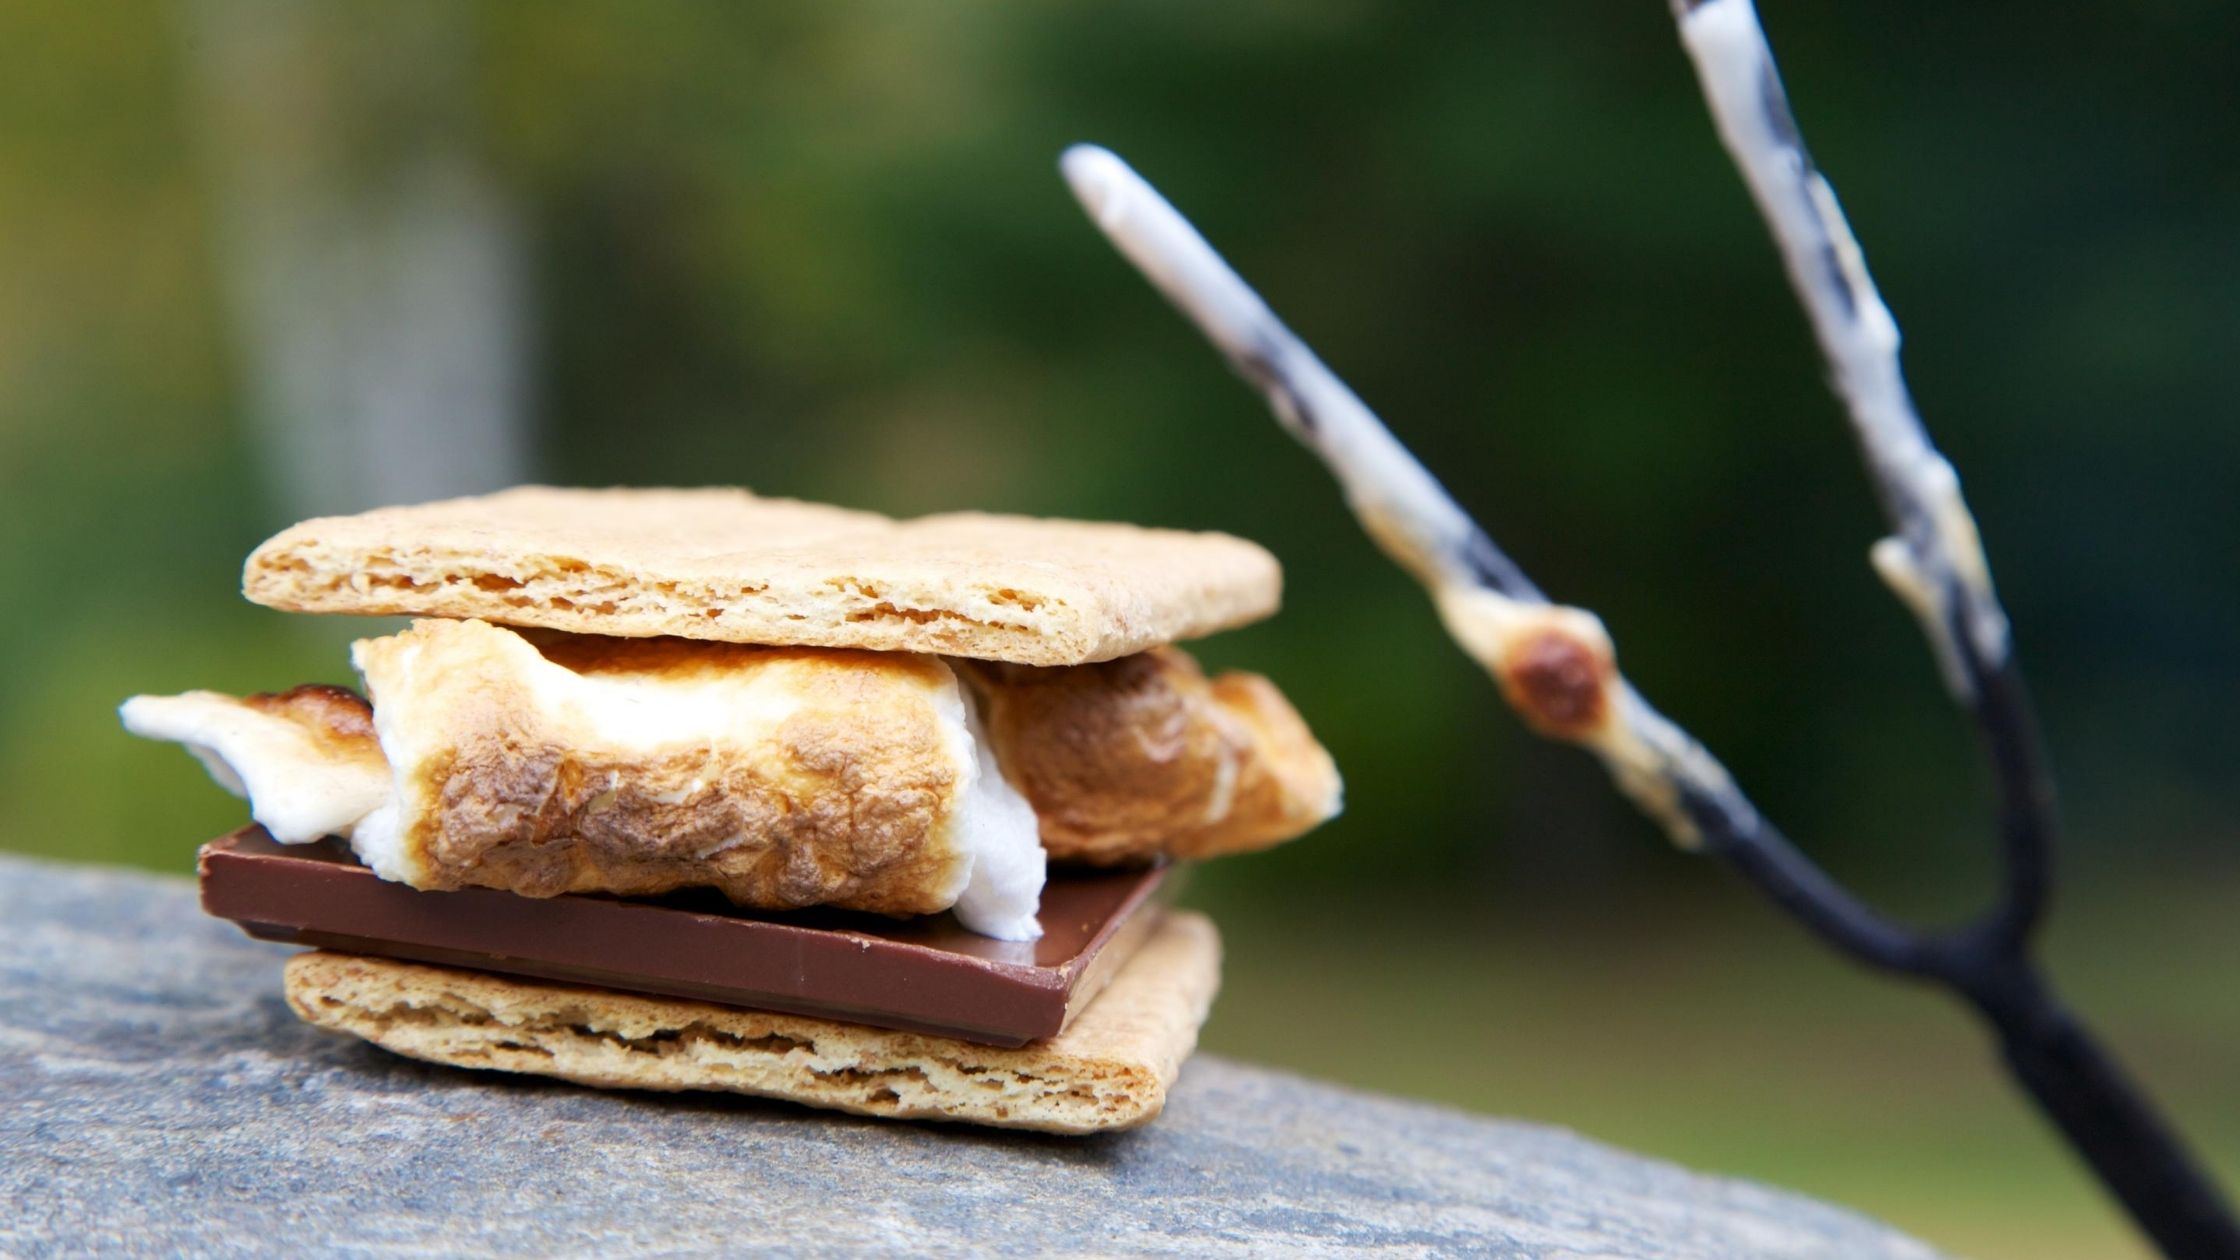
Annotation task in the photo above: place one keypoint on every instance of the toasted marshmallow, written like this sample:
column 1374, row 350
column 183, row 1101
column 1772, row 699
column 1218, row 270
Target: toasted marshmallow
column 783, row 777
column 546, row 763
column 1145, row 756
column 306, row 759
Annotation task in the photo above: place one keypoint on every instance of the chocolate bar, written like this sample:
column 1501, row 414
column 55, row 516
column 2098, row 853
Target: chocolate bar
column 928, row 975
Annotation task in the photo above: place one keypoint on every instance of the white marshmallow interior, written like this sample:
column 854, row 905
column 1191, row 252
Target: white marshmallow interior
column 1002, row 897
column 295, row 788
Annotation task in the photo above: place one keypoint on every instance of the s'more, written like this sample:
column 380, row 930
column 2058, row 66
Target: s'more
column 696, row 789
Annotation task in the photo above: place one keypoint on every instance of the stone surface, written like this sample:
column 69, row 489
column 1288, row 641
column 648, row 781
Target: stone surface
column 157, row 1097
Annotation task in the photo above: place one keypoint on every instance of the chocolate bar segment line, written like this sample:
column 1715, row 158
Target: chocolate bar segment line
column 928, row 975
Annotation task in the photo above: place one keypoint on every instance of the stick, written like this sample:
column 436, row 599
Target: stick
column 1557, row 668
column 1933, row 560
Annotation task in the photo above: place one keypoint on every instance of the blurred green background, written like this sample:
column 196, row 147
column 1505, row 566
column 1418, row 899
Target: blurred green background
column 260, row 260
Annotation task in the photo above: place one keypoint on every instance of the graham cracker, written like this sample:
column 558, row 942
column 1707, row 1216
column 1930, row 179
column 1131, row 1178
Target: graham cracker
column 724, row 564
column 1110, row 1069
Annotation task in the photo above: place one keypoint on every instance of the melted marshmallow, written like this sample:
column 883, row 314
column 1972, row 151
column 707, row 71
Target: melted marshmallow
column 298, row 789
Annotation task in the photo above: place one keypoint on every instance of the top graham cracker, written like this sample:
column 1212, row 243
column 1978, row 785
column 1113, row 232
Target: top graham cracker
column 725, row 565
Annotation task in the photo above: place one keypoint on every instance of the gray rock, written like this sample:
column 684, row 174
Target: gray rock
column 157, row 1097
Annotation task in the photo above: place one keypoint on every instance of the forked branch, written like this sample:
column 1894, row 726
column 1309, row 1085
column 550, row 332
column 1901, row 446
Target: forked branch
column 1556, row 666
column 1933, row 560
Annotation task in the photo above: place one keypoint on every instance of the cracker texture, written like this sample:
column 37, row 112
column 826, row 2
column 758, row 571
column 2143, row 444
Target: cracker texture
column 727, row 565
column 1110, row 1069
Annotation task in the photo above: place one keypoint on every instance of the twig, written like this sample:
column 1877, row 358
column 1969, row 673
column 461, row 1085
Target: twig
column 1933, row 561
column 1556, row 666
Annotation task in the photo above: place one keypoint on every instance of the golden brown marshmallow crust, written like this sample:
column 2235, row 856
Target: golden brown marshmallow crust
column 821, row 777
column 1143, row 756
column 337, row 720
